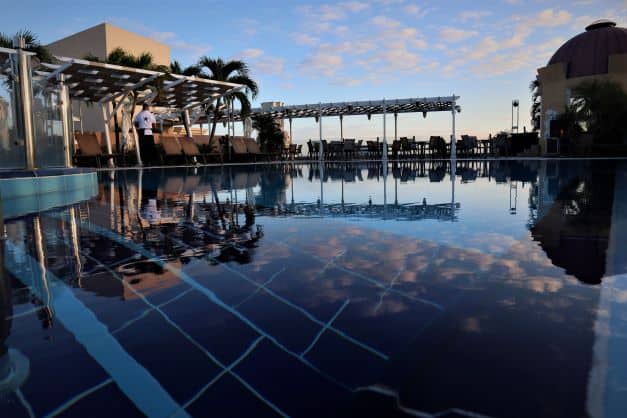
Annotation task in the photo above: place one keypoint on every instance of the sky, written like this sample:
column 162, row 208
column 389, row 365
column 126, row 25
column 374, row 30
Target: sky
column 486, row 52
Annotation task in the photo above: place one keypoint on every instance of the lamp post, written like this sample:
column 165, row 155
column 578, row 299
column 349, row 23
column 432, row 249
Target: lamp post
column 516, row 107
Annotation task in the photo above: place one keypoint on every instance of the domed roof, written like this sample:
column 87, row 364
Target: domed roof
column 588, row 52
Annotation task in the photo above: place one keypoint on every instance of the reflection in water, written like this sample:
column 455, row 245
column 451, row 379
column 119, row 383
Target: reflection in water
column 301, row 290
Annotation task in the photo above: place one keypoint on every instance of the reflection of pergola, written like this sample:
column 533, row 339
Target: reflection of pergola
column 105, row 84
column 368, row 108
column 407, row 212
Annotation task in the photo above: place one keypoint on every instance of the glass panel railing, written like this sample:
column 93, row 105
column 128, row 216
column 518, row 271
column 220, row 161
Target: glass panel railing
column 12, row 152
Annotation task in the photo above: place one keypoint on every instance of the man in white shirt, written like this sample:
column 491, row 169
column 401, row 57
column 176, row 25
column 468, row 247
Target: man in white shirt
column 144, row 122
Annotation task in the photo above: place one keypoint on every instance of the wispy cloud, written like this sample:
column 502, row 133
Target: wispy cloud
column 456, row 35
column 473, row 15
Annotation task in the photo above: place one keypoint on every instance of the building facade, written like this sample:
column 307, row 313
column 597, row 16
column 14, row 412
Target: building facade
column 101, row 39
column 599, row 53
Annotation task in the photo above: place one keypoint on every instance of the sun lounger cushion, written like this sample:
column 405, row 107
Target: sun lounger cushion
column 239, row 146
column 252, row 146
column 189, row 147
column 171, row 145
column 88, row 144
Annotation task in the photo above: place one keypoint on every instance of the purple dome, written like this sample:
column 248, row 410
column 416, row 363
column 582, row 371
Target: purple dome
column 588, row 52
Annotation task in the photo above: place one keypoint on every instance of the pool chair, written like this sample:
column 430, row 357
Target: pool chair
column 89, row 150
column 191, row 151
column 253, row 150
column 437, row 146
column 172, row 149
column 209, row 147
column 239, row 150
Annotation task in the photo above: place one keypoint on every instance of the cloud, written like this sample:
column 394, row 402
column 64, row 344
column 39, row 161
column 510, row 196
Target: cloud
column 456, row 35
column 262, row 63
column 473, row 15
column 251, row 53
column 269, row 65
column 322, row 63
column 305, row 39
column 551, row 17
column 385, row 22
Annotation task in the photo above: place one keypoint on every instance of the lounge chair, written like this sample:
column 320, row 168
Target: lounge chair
column 172, row 148
column 89, row 149
column 349, row 148
column 252, row 147
column 437, row 146
column 238, row 147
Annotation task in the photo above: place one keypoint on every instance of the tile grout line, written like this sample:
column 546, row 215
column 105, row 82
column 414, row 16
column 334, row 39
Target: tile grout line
column 307, row 314
column 73, row 400
column 327, row 325
column 170, row 321
column 206, row 292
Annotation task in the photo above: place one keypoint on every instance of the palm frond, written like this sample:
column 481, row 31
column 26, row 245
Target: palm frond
column 251, row 85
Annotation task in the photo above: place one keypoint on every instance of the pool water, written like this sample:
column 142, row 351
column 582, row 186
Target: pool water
column 494, row 289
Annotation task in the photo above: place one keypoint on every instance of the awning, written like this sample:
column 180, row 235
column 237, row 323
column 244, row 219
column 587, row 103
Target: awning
column 100, row 83
column 370, row 107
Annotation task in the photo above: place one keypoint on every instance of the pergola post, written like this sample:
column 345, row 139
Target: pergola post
column 26, row 100
column 385, row 141
column 64, row 92
column 107, row 135
column 453, row 140
column 342, row 128
column 395, row 126
column 321, row 148
column 186, row 123
column 291, row 138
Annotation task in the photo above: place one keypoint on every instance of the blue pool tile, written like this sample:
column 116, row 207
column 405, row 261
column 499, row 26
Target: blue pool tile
column 177, row 364
column 229, row 398
column 117, row 404
column 216, row 329
column 348, row 363
column 289, row 326
column 59, row 367
column 286, row 381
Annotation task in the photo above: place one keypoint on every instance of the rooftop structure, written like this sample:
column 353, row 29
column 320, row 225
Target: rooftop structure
column 599, row 53
column 101, row 39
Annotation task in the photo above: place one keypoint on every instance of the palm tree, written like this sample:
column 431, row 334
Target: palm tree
column 192, row 70
column 121, row 57
column 269, row 133
column 234, row 71
column 32, row 44
column 536, row 104
column 602, row 107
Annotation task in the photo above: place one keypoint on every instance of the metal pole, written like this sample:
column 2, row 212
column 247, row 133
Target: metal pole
column 395, row 126
column 107, row 135
column 65, row 120
column 453, row 140
column 321, row 156
column 291, row 138
column 26, row 99
column 342, row 127
column 186, row 123
column 385, row 141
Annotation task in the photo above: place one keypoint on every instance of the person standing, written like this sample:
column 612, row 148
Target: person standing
column 144, row 122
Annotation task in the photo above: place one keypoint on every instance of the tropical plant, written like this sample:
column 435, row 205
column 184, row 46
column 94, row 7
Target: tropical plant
column 602, row 107
column 269, row 133
column 32, row 44
column 119, row 56
column 192, row 70
column 536, row 104
column 234, row 71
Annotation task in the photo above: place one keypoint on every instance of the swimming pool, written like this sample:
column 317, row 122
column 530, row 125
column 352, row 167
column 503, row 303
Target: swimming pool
column 494, row 289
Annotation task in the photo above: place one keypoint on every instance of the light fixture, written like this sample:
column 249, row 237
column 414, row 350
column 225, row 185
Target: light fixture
column 369, row 116
column 424, row 115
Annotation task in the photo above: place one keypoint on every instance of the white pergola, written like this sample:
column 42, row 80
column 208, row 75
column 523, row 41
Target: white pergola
column 105, row 84
column 368, row 108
